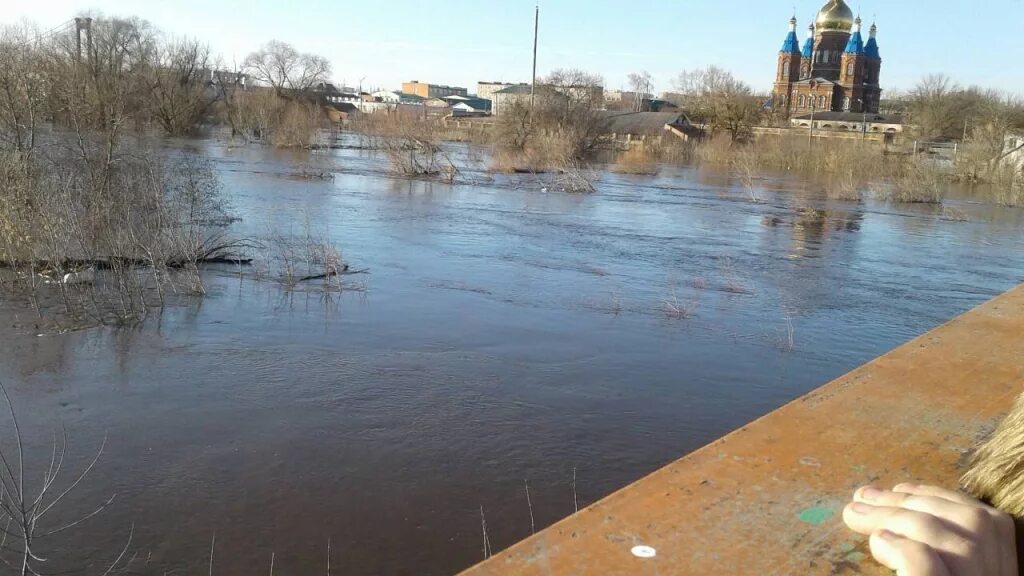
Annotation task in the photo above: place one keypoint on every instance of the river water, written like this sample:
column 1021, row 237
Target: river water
column 506, row 334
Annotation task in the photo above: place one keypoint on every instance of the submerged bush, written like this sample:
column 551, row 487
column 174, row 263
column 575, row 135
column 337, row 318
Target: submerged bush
column 108, row 240
column 637, row 160
column 920, row 182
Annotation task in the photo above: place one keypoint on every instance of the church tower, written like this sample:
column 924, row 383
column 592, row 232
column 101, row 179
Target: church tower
column 851, row 72
column 872, row 69
column 807, row 54
column 835, row 71
column 788, row 66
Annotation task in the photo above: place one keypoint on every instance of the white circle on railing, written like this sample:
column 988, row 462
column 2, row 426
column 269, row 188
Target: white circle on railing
column 644, row 552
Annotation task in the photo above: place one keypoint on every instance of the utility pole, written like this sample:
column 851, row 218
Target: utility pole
column 88, row 39
column 810, row 129
column 533, row 86
column 83, row 24
column 78, row 39
column 864, row 119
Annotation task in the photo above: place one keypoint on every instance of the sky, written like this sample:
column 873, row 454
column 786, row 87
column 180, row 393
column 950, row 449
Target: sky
column 380, row 44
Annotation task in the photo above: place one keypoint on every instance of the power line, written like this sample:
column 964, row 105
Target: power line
column 50, row 32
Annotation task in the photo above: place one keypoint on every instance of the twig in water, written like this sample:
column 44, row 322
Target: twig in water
column 575, row 502
column 124, row 550
column 328, row 557
column 790, row 344
column 26, row 511
column 213, row 542
column 271, row 564
column 483, row 528
column 533, row 527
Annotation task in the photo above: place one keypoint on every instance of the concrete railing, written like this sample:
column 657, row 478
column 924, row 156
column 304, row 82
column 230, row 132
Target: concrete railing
column 767, row 498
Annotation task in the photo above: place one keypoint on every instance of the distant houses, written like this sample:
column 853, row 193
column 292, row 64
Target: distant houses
column 464, row 106
column 494, row 98
column 486, row 90
column 505, row 99
column 395, row 97
column 429, row 91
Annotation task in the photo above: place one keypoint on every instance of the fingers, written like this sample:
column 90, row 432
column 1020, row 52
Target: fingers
column 907, row 557
column 935, row 491
column 964, row 534
column 921, row 526
column 967, row 514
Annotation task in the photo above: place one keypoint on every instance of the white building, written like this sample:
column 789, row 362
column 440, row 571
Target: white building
column 396, row 97
column 486, row 90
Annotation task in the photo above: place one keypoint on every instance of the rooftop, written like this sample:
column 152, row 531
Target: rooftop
column 516, row 89
column 642, row 122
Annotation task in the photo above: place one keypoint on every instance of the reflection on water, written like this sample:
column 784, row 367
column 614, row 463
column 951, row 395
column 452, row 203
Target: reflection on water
column 507, row 334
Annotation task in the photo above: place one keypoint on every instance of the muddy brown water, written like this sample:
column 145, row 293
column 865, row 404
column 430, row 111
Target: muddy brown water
column 507, row 334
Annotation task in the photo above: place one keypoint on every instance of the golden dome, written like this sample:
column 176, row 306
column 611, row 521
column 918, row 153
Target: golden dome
column 836, row 16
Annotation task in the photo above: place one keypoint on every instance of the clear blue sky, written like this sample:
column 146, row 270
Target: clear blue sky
column 460, row 42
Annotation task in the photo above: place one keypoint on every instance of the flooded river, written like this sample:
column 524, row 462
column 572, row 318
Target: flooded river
column 506, row 334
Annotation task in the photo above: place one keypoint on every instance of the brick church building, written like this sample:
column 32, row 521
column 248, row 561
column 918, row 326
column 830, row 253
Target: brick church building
column 834, row 71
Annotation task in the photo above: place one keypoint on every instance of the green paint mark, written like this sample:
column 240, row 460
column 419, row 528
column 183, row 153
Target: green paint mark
column 854, row 557
column 816, row 514
column 847, row 547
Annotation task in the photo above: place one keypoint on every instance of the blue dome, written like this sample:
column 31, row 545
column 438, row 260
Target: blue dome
column 808, row 48
column 791, row 45
column 856, row 44
column 871, row 50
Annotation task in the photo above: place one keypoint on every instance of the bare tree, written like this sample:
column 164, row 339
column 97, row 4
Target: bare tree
column 994, row 119
column 582, row 90
column 938, row 108
column 181, row 85
column 109, row 86
column 569, row 105
column 22, row 93
column 640, row 85
column 227, row 86
column 932, row 107
column 284, row 68
column 713, row 96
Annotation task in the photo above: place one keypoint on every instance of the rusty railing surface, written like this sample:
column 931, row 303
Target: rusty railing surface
column 767, row 498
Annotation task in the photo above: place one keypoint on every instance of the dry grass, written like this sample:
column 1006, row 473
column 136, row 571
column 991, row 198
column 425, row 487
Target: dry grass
column 541, row 154
column 845, row 185
column 673, row 308
column 746, row 163
column 920, row 182
column 413, row 144
column 518, row 162
column 637, row 160
column 954, row 214
column 811, row 216
column 308, row 258
column 733, row 283
column 264, row 116
column 843, row 168
column 1006, row 187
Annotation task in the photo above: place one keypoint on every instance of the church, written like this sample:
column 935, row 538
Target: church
column 835, row 71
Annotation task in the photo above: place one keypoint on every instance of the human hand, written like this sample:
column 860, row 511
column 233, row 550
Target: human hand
column 928, row 531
